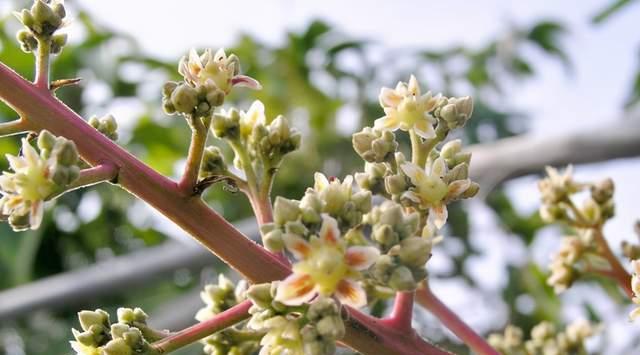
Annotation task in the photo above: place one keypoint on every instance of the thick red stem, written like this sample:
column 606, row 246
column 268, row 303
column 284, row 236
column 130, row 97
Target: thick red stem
column 402, row 312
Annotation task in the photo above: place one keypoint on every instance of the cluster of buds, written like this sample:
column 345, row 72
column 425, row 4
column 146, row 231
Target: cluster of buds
column 266, row 140
column 545, row 339
column 556, row 192
column 41, row 22
column 36, row 177
column 303, row 218
column 575, row 252
column 213, row 163
column 635, row 287
column 106, row 125
column 375, row 146
column 220, row 297
column 310, row 329
column 99, row 336
column 397, row 234
column 234, row 340
column 208, row 78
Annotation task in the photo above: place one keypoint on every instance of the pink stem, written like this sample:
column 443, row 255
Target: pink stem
column 196, row 332
column 365, row 333
column 432, row 303
column 189, row 178
column 617, row 272
column 402, row 313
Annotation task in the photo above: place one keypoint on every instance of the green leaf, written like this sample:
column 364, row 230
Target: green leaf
column 609, row 10
column 546, row 35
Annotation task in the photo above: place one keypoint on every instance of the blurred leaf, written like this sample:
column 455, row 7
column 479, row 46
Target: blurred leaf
column 546, row 35
column 609, row 10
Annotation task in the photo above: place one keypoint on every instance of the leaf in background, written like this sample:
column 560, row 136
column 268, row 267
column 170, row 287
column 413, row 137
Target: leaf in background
column 634, row 96
column 609, row 10
column 546, row 35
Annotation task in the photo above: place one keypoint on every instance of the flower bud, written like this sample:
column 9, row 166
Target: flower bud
column 184, row 98
column 57, row 42
column 89, row 318
column 602, row 191
column 415, row 251
column 331, row 327
column 402, row 279
column 260, row 295
column 385, row 235
column 45, row 19
column 213, row 162
column 395, row 184
column 285, row 210
column 457, row 111
column 28, row 43
column 65, row 152
column 168, row 88
column 46, row 140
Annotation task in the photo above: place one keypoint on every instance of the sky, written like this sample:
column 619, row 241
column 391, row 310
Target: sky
column 603, row 60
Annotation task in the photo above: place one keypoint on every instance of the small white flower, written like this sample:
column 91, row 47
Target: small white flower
column 214, row 69
column 405, row 108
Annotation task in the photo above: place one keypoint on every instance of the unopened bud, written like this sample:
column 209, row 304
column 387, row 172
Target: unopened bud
column 402, row 280
column 415, row 251
column 285, row 210
column 184, row 98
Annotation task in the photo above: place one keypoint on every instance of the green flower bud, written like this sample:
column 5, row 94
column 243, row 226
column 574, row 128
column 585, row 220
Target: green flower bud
column 374, row 146
column 19, row 222
column 385, row 235
column 184, row 98
column 457, row 111
column 226, row 124
column 46, row 140
column 362, row 201
column 552, row 213
column 59, row 10
column 402, row 279
column 451, row 149
column 382, row 268
column 26, row 18
column 213, row 162
column 471, row 191
column 215, row 97
column 395, row 184
column 168, row 88
column 295, row 227
column 28, row 43
column 273, row 240
column 459, row 172
column 602, row 191
column 45, row 18
column 331, row 327
column 90, row 318
column 309, row 215
column 260, row 295
column 57, row 42
column 414, row 252
column 285, row 210
column 65, row 152
column 117, row 347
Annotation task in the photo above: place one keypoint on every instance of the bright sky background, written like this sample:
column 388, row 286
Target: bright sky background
column 603, row 57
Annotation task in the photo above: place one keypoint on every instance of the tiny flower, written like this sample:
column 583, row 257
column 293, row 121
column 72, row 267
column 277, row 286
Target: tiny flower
column 405, row 108
column 24, row 190
column 333, row 193
column 255, row 115
column 431, row 191
column 214, row 69
column 283, row 337
column 556, row 186
column 326, row 267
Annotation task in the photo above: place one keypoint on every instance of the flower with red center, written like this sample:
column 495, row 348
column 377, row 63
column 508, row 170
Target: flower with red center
column 326, row 266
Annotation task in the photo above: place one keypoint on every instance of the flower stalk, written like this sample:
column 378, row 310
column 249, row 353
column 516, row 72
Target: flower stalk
column 427, row 299
column 15, row 127
column 618, row 273
column 189, row 179
column 402, row 313
column 196, row 332
column 43, row 64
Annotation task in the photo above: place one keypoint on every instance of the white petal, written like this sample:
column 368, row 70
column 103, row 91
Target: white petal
column 414, row 173
column 439, row 168
column 424, row 129
column 295, row 290
column 351, row 293
column 414, row 87
column 35, row 217
column 387, row 123
column 361, row 257
column 320, row 181
column 220, row 55
column 389, row 98
column 439, row 215
column 299, row 247
column 329, row 232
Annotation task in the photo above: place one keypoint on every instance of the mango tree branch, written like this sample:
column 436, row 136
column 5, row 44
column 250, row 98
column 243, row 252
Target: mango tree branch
column 433, row 304
column 365, row 334
column 11, row 128
column 196, row 332
column 402, row 312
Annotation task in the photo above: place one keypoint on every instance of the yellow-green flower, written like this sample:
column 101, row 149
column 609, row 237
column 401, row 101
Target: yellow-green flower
column 326, row 267
column 431, row 191
column 334, row 193
column 405, row 108
column 24, row 190
column 248, row 120
column 214, row 69
column 283, row 337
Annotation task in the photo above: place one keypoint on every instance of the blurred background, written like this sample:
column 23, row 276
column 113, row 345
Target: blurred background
column 546, row 69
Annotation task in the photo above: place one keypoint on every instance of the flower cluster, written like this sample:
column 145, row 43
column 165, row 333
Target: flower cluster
column 233, row 340
column 106, row 125
column 309, row 329
column 41, row 23
column 303, row 218
column 35, row 178
column 406, row 249
column 208, row 78
column 266, row 141
column 576, row 253
column 556, row 191
column 545, row 339
column 130, row 335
